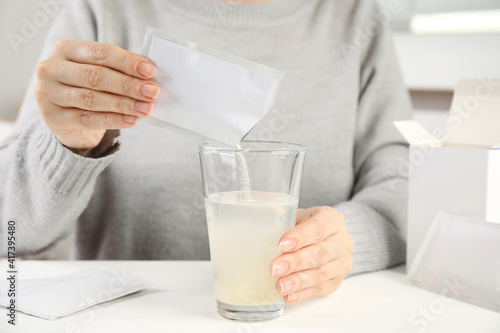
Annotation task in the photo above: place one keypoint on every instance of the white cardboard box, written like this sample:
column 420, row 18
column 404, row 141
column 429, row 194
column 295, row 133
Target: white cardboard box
column 460, row 174
column 460, row 258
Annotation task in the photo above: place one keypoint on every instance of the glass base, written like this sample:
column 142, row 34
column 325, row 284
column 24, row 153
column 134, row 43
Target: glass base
column 250, row 313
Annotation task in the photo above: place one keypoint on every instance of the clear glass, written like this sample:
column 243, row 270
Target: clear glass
column 251, row 198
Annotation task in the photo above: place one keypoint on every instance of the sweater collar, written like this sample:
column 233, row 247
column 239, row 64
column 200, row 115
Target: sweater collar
column 237, row 14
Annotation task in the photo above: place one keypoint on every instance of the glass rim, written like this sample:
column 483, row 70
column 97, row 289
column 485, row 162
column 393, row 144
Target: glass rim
column 292, row 147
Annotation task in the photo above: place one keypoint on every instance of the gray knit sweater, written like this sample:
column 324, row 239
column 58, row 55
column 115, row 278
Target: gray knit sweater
column 342, row 91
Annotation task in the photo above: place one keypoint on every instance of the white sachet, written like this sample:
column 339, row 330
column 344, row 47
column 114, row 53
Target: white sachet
column 211, row 95
column 460, row 258
column 59, row 297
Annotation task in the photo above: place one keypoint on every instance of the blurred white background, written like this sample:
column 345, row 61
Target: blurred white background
column 434, row 51
column 23, row 26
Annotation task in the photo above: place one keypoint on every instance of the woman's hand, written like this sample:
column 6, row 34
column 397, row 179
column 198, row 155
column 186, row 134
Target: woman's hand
column 85, row 88
column 317, row 255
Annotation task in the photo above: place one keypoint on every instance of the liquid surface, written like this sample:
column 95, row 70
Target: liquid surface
column 244, row 230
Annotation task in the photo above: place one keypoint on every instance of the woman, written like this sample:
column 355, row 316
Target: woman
column 61, row 169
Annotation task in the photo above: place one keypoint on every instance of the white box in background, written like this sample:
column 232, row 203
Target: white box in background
column 459, row 175
column 460, row 258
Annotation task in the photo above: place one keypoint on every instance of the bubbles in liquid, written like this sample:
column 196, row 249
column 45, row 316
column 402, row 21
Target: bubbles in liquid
column 244, row 237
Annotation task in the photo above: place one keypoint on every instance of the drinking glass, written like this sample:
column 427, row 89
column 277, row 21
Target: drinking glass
column 251, row 197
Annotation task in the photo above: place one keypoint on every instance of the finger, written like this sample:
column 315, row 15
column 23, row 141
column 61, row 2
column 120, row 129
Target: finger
column 106, row 80
column 308, row 257
column 326, row 288
column 316, row 227
column 303, row 214
column 106, row 55
column 83, row 119
column 309, row 278
column 86, row 99
column 103, row 79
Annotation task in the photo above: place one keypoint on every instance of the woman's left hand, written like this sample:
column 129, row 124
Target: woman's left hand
column 316, row 255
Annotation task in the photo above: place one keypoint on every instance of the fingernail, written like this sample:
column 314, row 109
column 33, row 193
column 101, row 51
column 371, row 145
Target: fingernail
column 146, row 69
column 129, row 119
column 280, row 268
column 292, row 297
column 287, row 245
column 143, row 107
column 286, row 286
column 149, row 90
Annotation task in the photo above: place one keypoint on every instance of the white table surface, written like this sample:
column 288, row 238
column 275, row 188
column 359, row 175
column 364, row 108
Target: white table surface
column 180, row 298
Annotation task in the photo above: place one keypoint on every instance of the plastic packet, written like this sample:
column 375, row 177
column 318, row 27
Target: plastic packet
column 460, row 258
column 62, row 296
column 212, row 95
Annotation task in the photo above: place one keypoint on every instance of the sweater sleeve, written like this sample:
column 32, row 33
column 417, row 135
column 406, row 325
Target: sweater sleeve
column 44, row 187
column 376, row 215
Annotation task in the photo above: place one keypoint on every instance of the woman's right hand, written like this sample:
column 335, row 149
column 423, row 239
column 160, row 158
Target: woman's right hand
column 85, row 88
